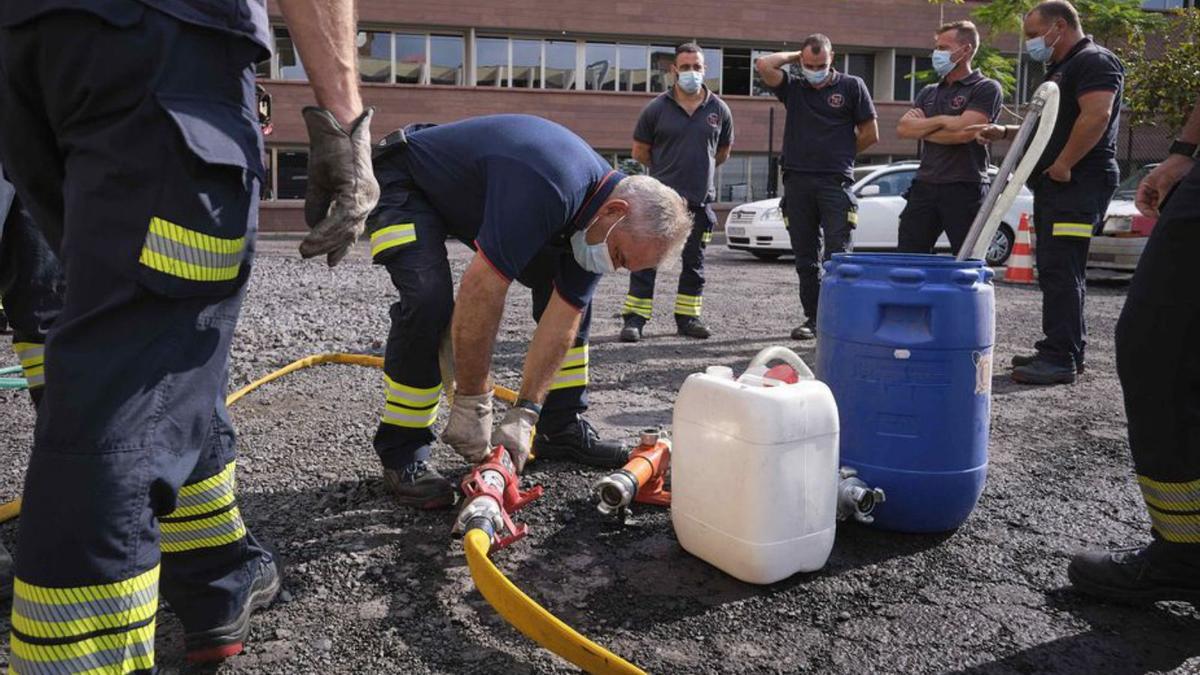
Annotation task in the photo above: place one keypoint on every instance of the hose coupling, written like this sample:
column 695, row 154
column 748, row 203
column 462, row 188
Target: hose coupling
column 855, row 498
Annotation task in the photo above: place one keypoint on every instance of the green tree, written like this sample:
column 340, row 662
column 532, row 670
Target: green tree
column 1109, row 21
column 1162, row 90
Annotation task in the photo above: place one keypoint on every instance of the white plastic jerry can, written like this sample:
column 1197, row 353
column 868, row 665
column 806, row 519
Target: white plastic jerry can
column 754, row 470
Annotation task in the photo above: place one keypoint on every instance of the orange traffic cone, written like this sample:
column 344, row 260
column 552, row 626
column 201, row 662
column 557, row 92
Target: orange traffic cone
column 1020, row 263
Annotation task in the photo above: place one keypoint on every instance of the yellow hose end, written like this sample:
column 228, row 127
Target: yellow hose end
column 532, row 619
column 10, row 510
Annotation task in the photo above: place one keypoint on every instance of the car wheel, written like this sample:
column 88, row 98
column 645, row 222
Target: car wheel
column 763, row 255
column 1001, row 246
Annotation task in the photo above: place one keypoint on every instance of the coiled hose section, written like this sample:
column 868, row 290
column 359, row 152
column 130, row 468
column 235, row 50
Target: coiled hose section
column 509, row 601
column 12, row 382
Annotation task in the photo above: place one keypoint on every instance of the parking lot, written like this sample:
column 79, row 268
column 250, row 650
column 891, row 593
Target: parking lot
column 373, row 588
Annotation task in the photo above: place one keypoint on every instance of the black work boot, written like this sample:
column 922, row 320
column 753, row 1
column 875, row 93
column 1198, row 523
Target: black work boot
column 1041, row 371
column 578, row 441
column 805, row 331
column 1135, row 575
column 692, row 327
column 6, row 573
column 420, row 486
column 632, row 330
column 1026, row 359
column 222, row 642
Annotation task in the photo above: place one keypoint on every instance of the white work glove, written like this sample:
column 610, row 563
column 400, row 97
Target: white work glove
column 515, row 433
column 342, row 188
column 470, row 426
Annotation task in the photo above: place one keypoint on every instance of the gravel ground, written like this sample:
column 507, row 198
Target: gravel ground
column 373, row 588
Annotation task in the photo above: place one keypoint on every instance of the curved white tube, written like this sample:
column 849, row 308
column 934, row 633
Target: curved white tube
column 1043, row 111
column 787, row 356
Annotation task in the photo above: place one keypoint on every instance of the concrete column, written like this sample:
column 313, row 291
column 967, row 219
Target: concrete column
column 885, row 75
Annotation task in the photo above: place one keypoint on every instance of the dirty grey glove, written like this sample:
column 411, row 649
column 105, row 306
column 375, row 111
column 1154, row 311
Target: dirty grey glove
column 470, row 426
column 515, row 433
column 341, row 183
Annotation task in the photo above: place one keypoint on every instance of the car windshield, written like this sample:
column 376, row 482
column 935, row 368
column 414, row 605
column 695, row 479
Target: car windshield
column 893, row 183
column 1128, row 187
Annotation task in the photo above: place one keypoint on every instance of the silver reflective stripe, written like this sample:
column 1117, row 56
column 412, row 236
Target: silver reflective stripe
column 36, row 381
column 191, row 255
column 571, row 380
column 104, row 659
column 27, row 351
column 408, row 398
column 230, row 526
column 57, row 613
column 219, row 490
column 390, row 414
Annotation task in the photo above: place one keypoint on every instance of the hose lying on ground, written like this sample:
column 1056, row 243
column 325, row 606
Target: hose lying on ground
column 12, row 382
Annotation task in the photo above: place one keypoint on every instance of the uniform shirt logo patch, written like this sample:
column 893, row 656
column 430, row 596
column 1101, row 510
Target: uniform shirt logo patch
column 958, row 102
column 836, row 100
column 714, row 120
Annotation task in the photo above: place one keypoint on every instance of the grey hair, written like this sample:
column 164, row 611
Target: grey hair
column 657, row 213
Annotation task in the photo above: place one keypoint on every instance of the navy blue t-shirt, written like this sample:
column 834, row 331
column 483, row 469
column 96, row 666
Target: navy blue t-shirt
column 517, row 186
column 1086, row 68
column 683, row 147
column 819, row 136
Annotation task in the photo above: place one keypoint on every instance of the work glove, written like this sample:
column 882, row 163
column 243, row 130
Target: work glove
column 341, row 184
column 470, row 426
column 515, row 433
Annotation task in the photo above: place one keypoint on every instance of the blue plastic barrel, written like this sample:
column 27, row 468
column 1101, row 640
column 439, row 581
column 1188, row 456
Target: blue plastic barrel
column 905, row 344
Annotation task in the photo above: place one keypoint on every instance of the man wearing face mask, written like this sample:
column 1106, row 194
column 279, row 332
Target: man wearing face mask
column 682, row 136
column 830, row 119
column 539, row 206
column 951, row 182
column 1072, row 183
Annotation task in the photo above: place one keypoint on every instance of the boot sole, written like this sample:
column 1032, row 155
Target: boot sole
column 427, row 504
column 229, row 640
column 1021, row 363
column 1028, row 379
column 1127, row 596
column 563, row 454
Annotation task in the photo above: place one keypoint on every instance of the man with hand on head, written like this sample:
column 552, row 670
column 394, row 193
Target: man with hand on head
column 539, row 206
column 830, row 119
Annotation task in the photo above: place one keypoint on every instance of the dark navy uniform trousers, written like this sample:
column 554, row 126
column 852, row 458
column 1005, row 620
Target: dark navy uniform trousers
column 933, row 208
column 1159, row 366
column 140, row 158
column 821, row 213
column 31, row 286
column 414, row 254
column 689, row 299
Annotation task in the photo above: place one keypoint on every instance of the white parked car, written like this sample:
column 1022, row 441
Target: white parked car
column 1115, row 251
column 758, row 228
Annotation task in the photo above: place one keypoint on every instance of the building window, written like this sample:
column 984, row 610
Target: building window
column 375, row 56
column 661, row 60
column 600, row 74
column 760, row 88
column 632, row 67
column 861, row 65
column 293, row 173
column 491, row 62
column 759, row 176
column 734, row 180
column 560, row 64
column 527, row 64
column 290, row 67
column 410, row 58
column 712, row 68
column 446, row 59
column 907, row 83
column 735, row 72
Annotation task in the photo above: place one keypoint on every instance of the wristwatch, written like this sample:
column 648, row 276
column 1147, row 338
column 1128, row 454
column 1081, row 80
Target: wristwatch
column 1188, row 150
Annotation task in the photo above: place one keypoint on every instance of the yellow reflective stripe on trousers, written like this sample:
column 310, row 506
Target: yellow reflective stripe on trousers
column 706, row 238
column 108, row 654
column 32, row 357
column 639, row 306
column 188, row 535
column 688, row 305
column 1081, row 230
column 187, row 254
column 574, row 370
column 1180, row 528
column 392, row 236
column 410, row 407
column 206, row 496
column 1171, row 496
column 45, row 612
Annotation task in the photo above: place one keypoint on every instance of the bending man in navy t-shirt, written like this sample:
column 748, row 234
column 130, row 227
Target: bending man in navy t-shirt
column 830, row 119
column 539, row 206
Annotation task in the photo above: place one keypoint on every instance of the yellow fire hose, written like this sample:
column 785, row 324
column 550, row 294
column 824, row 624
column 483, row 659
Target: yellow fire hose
column 509, row 602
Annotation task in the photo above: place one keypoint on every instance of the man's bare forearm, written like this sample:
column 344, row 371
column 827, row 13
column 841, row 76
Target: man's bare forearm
column 324, row 33
column 477, row 314
column 1191, row 129
column 554, row 336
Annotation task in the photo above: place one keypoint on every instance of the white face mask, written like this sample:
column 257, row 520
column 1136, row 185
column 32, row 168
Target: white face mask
column 594, row 258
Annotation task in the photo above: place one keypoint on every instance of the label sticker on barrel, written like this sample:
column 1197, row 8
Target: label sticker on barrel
column 983, row 372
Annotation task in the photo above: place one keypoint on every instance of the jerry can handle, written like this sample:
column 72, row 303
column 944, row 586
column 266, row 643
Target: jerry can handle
column 786, row 355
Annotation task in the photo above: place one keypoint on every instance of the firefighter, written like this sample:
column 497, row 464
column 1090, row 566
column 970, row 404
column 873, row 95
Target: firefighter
column 142, row 168
column 540, row 207
column 682, row 135
column 1160, row 376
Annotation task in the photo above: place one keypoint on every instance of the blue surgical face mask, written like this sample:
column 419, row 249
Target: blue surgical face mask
column 1038, row 50
column 815, row 77
column 942, row 63
column 690, row 80
column 593, row 257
